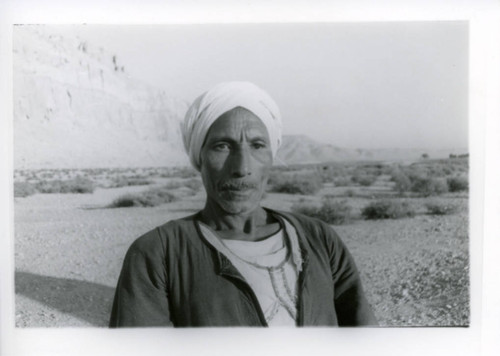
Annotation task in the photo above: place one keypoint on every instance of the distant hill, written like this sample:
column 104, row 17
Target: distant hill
column 302, row 149
column 75, row 106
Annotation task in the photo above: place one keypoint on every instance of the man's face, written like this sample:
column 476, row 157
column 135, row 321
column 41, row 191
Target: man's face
column 236, row 158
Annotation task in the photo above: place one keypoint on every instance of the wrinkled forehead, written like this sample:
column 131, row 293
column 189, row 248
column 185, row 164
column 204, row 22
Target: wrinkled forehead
column 236, row 121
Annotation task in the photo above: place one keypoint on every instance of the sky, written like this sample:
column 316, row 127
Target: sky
column 354, row 85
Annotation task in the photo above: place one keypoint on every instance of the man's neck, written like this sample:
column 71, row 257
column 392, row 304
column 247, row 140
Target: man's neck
column 252, row 226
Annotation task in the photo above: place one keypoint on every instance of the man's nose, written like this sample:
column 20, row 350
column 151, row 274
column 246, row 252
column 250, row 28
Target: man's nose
column 240, row 162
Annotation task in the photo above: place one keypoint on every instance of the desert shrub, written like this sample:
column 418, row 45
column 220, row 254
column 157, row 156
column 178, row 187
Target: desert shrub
column 326, row 175
column 129, row 181
column 23, row 189
column 371, row 169
column 350, row 192
column 175, row 184
column 367, row 180
column 193, row 184
column 52, row 186
column 47, row 175
column 75, row 185
column 335, row 212
column 448, row 170
column 186, row 172
column 297, row 184
column 387, row 209
column 364, row 179
column 148, row 198
column 439, row 169
column 331, row 211
column 457, row 184
column 341, row 181
column 440, row 208
column 305, row 209
column 330, row 173
column 179, row 172
column 387, row 169
column 78, row 185
column 428, row 186
column 138, row 176
column 402, row 182
column 417, row 171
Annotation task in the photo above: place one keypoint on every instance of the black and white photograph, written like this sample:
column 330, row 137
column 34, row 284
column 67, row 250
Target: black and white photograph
column 281, row 175
column 260, row 146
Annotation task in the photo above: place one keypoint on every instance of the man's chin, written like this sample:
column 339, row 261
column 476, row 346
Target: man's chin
column 237, row 208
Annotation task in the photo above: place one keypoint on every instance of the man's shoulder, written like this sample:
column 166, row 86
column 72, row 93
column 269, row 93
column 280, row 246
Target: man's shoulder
column 161, row 236
column 178, row 225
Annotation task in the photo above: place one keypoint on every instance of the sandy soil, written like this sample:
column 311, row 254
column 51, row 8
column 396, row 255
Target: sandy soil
column 69, row 249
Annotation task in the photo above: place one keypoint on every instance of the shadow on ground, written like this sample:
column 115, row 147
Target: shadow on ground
column 84, row 300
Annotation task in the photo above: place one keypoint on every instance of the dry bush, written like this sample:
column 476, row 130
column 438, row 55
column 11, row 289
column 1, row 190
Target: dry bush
column 330, row 211
column 306, row 184
column 304, row 208
column 148, row 198
column 458, row 184
column 129, row 181
column 185, row 172
column 428, row 186
column 364, row 179
column 333, row 172
column 428, row 179
column 387, row 209
column 23, row 189
column 370, row 169
column 342, row 181
column 194, row 184
column 175, row 184
column 401, row 180
column 440, row 208
column 366, row 174
column 439, row 169
column 77, row 185
column 350, row 193
column 47, row 175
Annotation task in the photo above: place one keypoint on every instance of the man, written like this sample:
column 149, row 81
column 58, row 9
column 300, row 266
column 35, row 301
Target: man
column 236, row 263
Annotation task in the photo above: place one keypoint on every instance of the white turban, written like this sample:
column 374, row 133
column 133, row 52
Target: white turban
column 220, row 99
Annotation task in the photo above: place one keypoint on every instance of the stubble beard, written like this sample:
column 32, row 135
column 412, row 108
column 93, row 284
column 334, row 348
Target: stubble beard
column 233, row 204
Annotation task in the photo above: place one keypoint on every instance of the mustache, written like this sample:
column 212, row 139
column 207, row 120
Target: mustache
column 237, row 185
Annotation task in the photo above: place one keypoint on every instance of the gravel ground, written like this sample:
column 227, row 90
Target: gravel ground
column 69, row 250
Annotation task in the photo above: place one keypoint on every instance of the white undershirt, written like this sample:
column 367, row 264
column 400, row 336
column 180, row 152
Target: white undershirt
column 269, row 269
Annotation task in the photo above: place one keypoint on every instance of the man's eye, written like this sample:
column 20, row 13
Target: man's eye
column 259, row 145
column 221, row 147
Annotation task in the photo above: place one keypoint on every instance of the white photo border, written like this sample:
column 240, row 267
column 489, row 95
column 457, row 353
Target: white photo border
column 481, row 338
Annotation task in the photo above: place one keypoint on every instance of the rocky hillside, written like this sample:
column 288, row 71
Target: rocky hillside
column 75, row 106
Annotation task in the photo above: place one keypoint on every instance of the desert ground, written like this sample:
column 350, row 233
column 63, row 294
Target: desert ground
column 413, row 261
